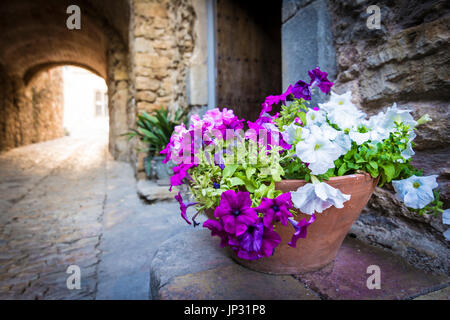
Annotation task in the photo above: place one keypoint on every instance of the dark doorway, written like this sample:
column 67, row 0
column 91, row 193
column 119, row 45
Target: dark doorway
column 248, row 54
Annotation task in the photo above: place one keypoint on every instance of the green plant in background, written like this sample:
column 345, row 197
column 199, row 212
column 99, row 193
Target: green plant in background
column 154, row 131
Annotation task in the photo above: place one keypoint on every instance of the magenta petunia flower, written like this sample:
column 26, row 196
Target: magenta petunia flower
column 320, row 79
column 275, row 210
column 301, row 228
column 183, row 206
column 301, row 90
column 235, row 211
column 256, row 242
column 180, row 172
column 271, row 100
column 266, row 133
column 217, row 229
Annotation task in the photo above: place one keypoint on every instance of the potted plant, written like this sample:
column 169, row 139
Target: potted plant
column 154, row 131
column 282, row 192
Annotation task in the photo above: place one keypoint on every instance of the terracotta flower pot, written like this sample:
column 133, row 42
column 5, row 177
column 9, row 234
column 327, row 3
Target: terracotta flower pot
column 325, row 235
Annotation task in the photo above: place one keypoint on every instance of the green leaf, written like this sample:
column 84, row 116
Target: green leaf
column 373, row 164
column 235, row 181
column 229, row 170
column 249, row 172
column 389, row 171
column 342, row 170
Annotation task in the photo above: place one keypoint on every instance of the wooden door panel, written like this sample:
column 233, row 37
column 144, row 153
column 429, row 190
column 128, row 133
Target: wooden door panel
column 248, row 54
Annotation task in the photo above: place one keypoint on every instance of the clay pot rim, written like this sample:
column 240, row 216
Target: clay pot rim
column 337, row 179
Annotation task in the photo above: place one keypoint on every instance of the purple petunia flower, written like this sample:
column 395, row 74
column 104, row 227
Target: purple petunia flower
column 275, row 209
column 320, row 79
column 217, row 229
column 235, row 211
column 302, row 90
column 256, row 242
column 183, row 206
column 301, row 228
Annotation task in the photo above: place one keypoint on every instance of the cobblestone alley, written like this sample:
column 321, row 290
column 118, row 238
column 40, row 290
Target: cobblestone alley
column 65, row 202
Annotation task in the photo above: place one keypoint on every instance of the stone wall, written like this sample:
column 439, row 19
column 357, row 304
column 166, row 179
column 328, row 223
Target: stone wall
column 313, row 46
column 406, row 61
column 31, row 112
column 161, row 47
column 121, row 109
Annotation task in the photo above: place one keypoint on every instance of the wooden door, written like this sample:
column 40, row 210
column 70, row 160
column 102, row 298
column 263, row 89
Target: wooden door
column 248, row 54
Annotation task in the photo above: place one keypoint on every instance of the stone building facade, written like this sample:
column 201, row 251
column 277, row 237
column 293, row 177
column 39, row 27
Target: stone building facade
column 156, row 53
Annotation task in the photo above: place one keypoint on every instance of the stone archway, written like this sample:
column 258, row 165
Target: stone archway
column 35, row 38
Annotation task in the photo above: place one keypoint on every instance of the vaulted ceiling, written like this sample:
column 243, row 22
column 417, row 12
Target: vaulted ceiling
column 34, row 34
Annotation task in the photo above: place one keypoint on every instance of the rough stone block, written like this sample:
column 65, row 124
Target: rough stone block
column 193, row 266
column 234, row 282
column 290, row 7
column 197, row 85
column 307, row 43
column 143, row 45
column 150, row 9
column 145, row 83
column 151, row 191
column 147, row 107
column 348, row 277
column 443, row 294
column 147, row 96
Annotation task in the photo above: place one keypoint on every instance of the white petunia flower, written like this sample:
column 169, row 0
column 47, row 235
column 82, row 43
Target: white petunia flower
column 446, row 220
column 317, row 197
column 342, row 112
column 337, row 100
column 318, row 151
column 415, row 192
column 343, row 141
column 290, row 133
column 377, row 133
column 328, row 131
column 394, row 115
column 446, row 216
column 408, row 152
column 359, row 137
column 447, row 235
column 315, row 117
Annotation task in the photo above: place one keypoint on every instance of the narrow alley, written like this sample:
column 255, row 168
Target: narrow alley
column 66, row 202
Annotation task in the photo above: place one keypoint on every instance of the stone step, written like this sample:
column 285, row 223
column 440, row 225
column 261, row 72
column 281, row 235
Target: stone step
column 152, row 191
column 191, row 265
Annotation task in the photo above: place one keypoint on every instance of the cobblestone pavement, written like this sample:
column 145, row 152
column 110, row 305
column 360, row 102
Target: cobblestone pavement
column 65, row 202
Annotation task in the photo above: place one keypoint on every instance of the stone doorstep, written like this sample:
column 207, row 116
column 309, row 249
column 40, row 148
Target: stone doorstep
column 191, row 265
column 152, row 191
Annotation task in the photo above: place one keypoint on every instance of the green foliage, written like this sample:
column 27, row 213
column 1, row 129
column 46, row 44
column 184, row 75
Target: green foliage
column 295, row 110
column 155, row 130
column 381, row 159
column 255, row 173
